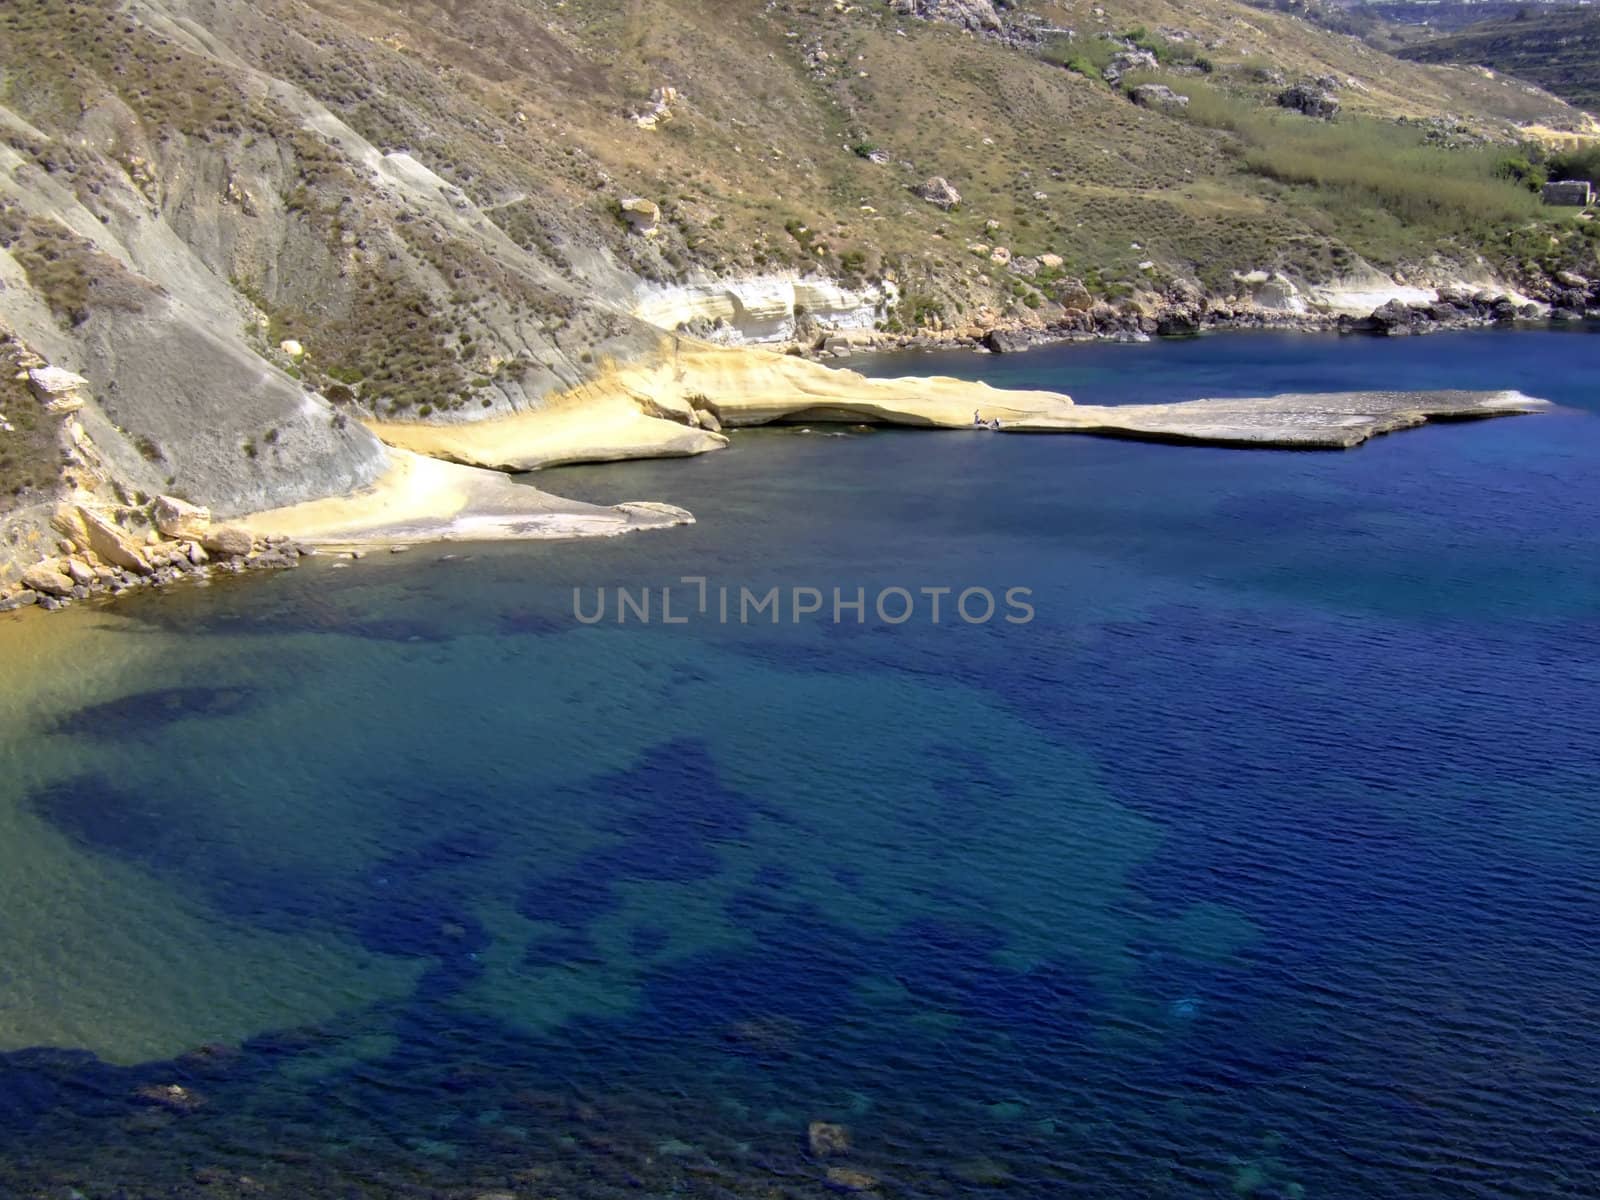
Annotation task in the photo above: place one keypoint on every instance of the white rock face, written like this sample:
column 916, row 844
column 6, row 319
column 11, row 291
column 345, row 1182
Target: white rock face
column 1357, row 294
column 1275, row 292
column 660, row 110
column 763, row 308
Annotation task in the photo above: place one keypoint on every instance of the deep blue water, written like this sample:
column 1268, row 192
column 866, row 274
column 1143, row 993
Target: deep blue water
column 1261, row 862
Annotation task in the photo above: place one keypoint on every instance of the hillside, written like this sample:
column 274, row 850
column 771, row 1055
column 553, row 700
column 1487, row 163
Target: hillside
column 1556, row 47
column 257, row 228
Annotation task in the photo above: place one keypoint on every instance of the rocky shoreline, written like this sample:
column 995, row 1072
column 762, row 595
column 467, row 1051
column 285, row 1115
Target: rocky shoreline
column 101, row 554
column 1187, row 315
column 454, row 482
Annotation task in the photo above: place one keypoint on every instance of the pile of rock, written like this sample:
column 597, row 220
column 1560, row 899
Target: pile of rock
column 1455, row 307
column 98, row 555
column 977, row 15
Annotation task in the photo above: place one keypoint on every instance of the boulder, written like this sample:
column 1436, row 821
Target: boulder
column 1571, row 279
column 47, row 580
column 179, row 519
column 1158, row 95
column 81, row 572
column 1177, row 324
column 1309, row 99
column 109, row 542
column 825, row 1139
column 1073, row 294
column 938, row 192
column 1006, row 341
column 1391, row 318
column 643, row 216
column 227, row 540
column 1052, row 262
column 59, row 391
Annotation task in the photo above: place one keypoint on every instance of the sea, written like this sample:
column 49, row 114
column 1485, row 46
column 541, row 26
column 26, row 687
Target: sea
column 944, row 814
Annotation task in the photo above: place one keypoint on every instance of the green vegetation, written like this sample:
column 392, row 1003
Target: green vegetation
column 1378, row 184
column 30, row 454
column 72, row 276
column 1519, row 169
column 1580, row 163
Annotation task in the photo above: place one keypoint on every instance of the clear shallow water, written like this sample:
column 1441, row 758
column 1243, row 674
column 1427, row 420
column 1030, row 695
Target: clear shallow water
column 1261, row 862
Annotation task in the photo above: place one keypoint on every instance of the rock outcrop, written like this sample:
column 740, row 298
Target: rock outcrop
column 1311, row 100
column 61, row 392
column 1126, row 61
column 1332, row 421
column 977, row 15
column 643, row 216
column 763, row 308
column 1160, row 96
column 938, row 192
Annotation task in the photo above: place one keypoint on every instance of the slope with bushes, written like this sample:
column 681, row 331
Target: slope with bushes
column 254, row 225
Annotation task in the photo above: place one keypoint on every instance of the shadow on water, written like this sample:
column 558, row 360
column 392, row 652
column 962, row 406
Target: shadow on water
column 143, row 713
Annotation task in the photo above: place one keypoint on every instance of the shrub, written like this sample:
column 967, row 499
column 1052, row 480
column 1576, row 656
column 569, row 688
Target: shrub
column 1580, row 163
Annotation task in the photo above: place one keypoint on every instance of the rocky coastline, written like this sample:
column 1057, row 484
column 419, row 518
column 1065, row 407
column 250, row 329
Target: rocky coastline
column 449, row 481
column 1186, row 314
column 101, row 553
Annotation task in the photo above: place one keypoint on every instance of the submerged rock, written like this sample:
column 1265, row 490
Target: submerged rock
column 171, row 1096
column 846, row 1179
column 826, row 1139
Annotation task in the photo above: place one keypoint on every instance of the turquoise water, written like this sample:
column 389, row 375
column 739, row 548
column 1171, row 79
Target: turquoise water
column 1260, row 862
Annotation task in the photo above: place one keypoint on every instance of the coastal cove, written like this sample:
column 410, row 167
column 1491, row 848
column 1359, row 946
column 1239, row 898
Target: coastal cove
column 1256, row 864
